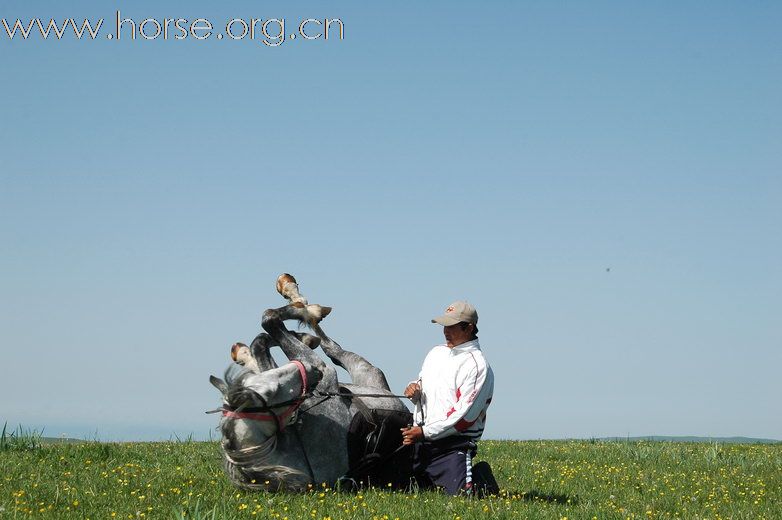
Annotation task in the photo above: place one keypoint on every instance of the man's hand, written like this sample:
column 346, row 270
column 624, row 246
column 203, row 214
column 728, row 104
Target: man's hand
column 413, row 392
column 412, row 435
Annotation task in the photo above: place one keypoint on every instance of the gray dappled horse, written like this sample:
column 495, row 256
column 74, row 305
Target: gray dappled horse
column 281, row 428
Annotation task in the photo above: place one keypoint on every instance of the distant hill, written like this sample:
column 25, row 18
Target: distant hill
column 60, row 440
column 690, row 438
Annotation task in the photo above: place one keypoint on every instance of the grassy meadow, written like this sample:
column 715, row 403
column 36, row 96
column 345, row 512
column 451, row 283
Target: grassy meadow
column 540, row 479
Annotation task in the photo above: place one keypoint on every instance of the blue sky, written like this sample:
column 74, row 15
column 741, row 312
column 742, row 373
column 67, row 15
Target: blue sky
column 602, row 181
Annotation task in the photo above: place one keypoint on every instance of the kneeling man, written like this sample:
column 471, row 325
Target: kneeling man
column 452, row 393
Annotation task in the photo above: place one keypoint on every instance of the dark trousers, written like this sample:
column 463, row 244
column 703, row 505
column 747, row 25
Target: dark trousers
column 445, row 463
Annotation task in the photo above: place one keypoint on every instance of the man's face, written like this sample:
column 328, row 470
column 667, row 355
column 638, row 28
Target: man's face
column 456, row 335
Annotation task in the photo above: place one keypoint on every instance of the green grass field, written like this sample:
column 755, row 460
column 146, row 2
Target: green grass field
column 540, row 479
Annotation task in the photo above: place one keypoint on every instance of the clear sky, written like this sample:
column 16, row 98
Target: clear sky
column 602, row 180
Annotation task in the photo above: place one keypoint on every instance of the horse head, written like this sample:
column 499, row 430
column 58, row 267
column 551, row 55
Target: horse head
column 257, row 409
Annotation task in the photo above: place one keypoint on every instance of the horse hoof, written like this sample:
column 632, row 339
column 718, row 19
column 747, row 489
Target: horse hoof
column 240, row 352
column 289, row 289
column 283, row 279
column 242, row 355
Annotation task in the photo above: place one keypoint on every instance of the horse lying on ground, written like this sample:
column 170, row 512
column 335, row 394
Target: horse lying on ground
column 295, row 426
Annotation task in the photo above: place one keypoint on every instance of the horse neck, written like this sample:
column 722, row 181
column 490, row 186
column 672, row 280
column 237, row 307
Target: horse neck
column 275, row 386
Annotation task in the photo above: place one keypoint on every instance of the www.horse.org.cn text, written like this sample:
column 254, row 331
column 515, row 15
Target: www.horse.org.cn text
column 270, row 32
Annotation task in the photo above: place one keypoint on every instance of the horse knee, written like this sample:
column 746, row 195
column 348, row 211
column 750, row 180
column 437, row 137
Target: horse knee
column 270, row 319
column 377, row 378
column 308, row 339
column 262, row 341
column 377, row 374
column 260, row 348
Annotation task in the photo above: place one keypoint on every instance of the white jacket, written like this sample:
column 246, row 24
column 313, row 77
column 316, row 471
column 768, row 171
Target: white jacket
column 456, row 388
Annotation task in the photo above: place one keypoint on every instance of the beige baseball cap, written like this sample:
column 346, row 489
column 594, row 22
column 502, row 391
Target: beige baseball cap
column 457, row 312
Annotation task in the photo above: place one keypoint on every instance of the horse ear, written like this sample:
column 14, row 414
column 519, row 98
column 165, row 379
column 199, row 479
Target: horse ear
column 219, row 384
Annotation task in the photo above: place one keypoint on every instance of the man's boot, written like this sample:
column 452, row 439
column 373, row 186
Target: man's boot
column 484, row 483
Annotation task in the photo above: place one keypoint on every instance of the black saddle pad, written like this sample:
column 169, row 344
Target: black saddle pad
column 374, row 448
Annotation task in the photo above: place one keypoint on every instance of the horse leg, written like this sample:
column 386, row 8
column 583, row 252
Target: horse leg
column 296, row 346
column 261, row 345
column 260, row 349
column 361, row 371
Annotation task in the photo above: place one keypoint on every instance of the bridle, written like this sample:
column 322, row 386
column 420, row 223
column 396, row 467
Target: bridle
column 266, row 411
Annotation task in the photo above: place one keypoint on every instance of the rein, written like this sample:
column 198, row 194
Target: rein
column 256, row 412
column 351, row 395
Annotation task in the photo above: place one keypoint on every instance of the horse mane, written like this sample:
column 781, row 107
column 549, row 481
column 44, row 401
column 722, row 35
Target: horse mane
column 270, row 477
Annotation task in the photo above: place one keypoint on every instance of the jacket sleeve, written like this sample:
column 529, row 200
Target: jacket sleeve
column 473, row 395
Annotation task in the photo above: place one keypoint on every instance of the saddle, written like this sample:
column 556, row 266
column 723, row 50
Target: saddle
column 375, row 453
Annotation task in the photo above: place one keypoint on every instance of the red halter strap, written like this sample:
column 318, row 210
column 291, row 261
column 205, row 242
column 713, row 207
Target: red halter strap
column 281, row 418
